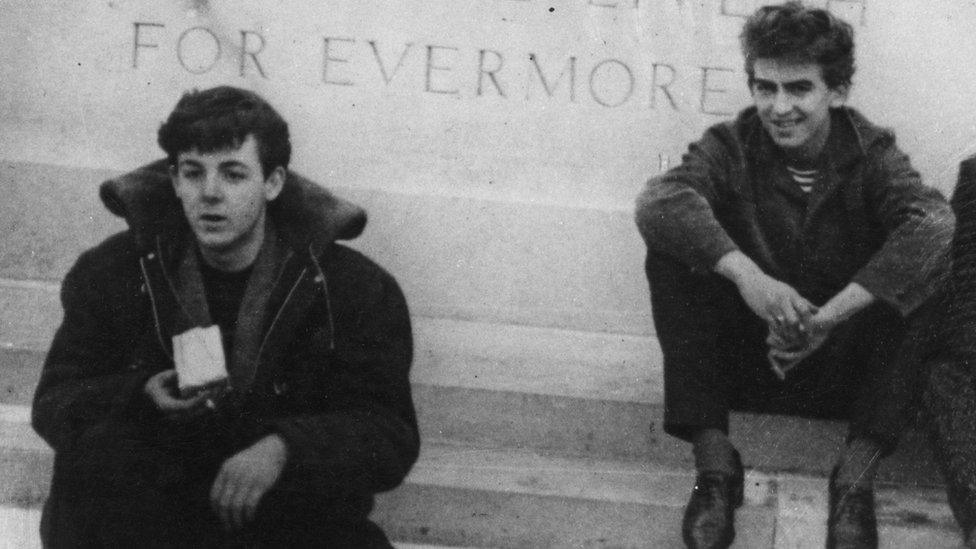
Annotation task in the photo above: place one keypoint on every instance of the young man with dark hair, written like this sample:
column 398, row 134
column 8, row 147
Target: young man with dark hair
column 787, row 256
column 225, row 372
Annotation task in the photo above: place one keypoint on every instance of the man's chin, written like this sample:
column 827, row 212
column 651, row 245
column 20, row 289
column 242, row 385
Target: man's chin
column 790, row 144
column 214, row 243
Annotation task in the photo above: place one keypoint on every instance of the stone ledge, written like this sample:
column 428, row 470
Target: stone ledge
column 566, row 392
column 461, row 494
column 19, row 528
column 462, row 257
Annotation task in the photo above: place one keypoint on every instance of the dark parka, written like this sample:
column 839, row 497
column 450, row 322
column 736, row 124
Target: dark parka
column 325, row 346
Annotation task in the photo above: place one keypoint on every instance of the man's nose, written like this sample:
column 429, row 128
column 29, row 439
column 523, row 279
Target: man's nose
column 782, row 104
column 212, row 188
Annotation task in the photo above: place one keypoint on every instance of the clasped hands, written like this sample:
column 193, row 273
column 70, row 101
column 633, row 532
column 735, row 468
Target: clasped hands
column 245, row 477
column 797, row 327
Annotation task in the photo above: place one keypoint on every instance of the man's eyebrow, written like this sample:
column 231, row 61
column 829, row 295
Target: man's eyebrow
column 803, row 82
column 189, row 161
column 233, row 164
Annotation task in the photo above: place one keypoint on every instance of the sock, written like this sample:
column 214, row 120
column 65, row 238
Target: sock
column 858, row 463
column 713, row 451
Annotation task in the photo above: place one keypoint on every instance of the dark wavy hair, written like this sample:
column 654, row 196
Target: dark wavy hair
column 793, row 32
column 222, row 118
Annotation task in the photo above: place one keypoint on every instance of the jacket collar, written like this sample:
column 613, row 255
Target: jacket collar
column 307, row 216
column 851, row 135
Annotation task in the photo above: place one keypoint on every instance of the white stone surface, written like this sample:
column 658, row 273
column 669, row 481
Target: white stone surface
column 506, row 133
column 439, row 96
column 19, row 528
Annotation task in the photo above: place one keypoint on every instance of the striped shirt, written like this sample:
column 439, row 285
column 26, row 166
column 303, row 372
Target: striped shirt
column 804, row 178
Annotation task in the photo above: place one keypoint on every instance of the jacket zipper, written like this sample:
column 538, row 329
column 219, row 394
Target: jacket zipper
column 281, row 309
column 328, row 300
column 267, row 335
column 152, row 301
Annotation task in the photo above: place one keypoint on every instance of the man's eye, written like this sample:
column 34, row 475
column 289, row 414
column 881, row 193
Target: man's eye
column 236, row 176
column 191, row 174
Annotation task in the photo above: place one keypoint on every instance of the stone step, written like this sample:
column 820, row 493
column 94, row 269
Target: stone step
column 19, row 530
column 515, row 498
column 506, row 498
column 25, row 460
column 460, row 495
column 464, row 495
column 566, row 392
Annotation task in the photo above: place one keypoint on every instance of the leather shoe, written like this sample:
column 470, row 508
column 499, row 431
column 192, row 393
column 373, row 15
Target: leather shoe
column 851, row 523
column 709, row 521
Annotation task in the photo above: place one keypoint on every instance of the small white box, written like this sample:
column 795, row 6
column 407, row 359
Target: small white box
column 199, row 357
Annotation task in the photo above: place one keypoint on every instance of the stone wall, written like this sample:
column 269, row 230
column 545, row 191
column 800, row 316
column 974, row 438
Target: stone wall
column 498, row 144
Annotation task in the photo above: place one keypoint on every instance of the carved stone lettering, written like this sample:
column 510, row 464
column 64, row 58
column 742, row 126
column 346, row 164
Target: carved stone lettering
column 328, row 58
column 468, row 72
column 708, row 92
column 490, row 73
column 192, row 46
column 550, row 90
column 597, row 74
column 247, row 52
column 434, row 56
column 389, row 75
column 662, row 76
column 137, row 42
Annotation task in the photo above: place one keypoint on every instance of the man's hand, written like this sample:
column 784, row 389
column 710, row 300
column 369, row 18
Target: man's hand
column 782, row 307
column 777, row 303
column 784, row 354
column 817, row 328
column 163, row 391
column 245, row 478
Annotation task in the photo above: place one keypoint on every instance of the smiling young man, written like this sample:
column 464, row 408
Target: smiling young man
column 225, row 373
column 788, row 255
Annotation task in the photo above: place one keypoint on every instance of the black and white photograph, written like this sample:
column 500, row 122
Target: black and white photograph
column 493, row 274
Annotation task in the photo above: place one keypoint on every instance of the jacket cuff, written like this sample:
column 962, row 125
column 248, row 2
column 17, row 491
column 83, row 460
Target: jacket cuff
column 298, row 464
column 903, row 300
column 910, row 292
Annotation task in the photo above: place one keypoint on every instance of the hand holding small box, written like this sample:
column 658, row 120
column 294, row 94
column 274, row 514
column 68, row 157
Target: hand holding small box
column 199, row 379
column 199, row 357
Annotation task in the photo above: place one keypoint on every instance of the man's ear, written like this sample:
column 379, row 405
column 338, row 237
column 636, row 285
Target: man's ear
column 838, row 95
column 274, row 183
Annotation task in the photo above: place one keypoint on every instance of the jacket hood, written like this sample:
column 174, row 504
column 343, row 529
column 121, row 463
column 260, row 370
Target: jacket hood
column 305, row 214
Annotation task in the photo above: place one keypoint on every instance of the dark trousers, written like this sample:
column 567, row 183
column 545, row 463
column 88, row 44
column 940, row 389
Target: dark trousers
column 715, row 361
column 125, row 487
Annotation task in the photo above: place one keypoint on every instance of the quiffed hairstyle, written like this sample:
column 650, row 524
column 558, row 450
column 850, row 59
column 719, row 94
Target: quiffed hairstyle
column 222, row 118
column 793, row 32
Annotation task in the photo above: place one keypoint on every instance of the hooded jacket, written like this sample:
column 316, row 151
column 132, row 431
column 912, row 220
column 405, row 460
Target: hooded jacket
column 869, row 221
column 321, row 353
